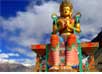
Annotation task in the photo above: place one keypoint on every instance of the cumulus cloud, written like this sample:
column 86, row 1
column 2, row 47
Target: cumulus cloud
column 25, row 62
column 13, row 54
column 7, row 55
column 28, row 62
column 4, row 55
column 84, row 40
column 2, row 60
column 24, row 52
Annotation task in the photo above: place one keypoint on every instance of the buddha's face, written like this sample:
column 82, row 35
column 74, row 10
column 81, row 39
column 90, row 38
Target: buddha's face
column 66, row 11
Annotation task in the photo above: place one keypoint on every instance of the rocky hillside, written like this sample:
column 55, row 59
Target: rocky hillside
column 14, row 67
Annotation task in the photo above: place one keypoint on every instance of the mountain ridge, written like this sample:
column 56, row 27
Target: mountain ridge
column 13, row 66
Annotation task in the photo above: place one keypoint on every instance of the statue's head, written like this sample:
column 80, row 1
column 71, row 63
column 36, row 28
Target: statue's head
column 66, row 8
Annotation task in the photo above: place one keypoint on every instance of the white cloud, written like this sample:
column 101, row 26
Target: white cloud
column 13, row 54
column 28, row 62
column 7, row 55
column 25, row 62
column 3, row 60
column 29, row 53
column 11, row 61
column 84, row 40
column 4, row 55
column 7, row 61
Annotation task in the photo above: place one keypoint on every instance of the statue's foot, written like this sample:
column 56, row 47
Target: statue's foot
column 69, row 68
column 61, row 67
column 54, row 67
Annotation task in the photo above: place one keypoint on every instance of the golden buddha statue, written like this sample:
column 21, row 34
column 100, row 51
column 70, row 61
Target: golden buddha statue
column 66, row 24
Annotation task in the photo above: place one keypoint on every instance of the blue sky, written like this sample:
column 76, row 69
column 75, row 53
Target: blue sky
column 27, row 22
column 10, row 7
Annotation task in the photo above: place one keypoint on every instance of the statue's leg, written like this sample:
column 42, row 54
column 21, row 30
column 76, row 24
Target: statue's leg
column 71, row 55
column 54, row 59
column 67, row 66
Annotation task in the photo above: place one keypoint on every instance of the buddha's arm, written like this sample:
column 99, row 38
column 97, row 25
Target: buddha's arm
column 54, row 29
column 60, row 24
column 57, row 27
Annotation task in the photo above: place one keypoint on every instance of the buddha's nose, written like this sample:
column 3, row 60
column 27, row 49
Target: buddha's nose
column 65, row 11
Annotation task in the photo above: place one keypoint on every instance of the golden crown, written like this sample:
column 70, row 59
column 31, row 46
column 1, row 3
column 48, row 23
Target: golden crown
column 66, row 3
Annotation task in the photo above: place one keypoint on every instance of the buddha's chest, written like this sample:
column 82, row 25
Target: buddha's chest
column 68, row 22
